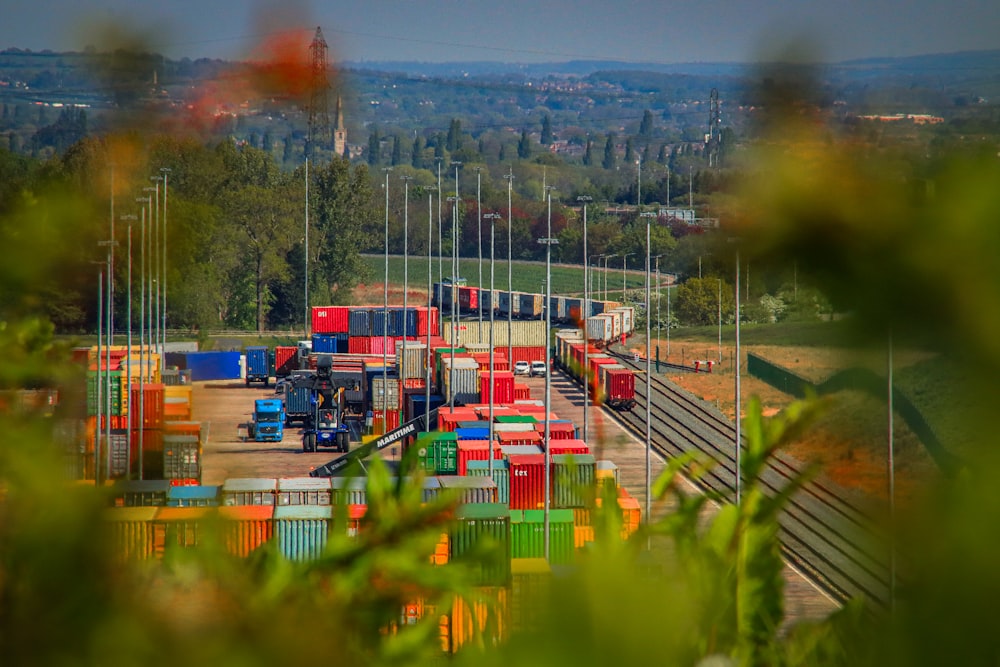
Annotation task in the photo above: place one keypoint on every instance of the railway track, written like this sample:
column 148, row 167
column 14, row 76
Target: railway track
column 828, row 537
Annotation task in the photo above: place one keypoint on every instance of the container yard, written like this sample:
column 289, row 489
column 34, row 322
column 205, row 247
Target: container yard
column 188, row 465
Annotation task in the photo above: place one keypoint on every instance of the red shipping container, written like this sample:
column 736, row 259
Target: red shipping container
column 569, row 446
column 520, row 438
column 414, row 383
column 468, row 298
column 379, row 345
column 503, row 387
column 498, row 409
column 385, row 421
column 522, row 392
column 151, row 396
column 246, row 527
column 428, row 319
column 619, row 385
column 359, row 345
column 448, row 419
column 329, row 319
column 285, row 359
column 529, row 354
column 475, row 450
column 527, row 481
column 558, row 430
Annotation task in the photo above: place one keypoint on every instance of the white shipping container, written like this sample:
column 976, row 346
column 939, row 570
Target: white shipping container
column 385, row 393
column 411, row 359
column 601, row 328
column 524, row 333
column 616, row 323
column 466, row 380
column 628, row 319
column 514, row 428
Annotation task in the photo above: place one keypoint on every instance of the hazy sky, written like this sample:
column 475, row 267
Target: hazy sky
column 664, row 31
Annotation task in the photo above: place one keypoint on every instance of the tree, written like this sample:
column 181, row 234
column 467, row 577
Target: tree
column 524, row 146
column 588, row 156
column 609, row 153
column 454, row 141
column 374, row 146
column 397, row 151
column 629, row 151
column 346, row 215
column 546, row 138
column 646, row 126
column 416, row 157
column 696, row 302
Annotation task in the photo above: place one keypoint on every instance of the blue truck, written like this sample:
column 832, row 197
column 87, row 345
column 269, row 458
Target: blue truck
column 268, row 422
column 258, row 365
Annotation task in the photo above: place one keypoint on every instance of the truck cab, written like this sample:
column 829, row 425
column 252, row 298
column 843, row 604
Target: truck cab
column 268, row 422
column 327, row 428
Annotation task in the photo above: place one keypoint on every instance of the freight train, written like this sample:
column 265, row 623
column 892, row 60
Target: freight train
column 608, row 381
column 607, row 321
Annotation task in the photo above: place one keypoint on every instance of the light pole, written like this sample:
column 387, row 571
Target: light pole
column 430, row 270
column 99, row 380
column 492, row 217
column 479, row 243
column 720, row 320
column 305, row 261
column 657, row 259
column 440, row 237
column 625, row 273
column 385, row 309
column 454, row 293
column 739, row 472
column 649, row 481
column 586, row 309
column 548, row 242
column 406, row 273
column 607, row 258
column 166, row 175
column 131, row 217
column 510, row 274
column 154, row 266
column 142, row 334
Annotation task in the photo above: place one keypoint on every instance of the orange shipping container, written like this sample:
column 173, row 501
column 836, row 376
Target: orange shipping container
column 246, row 527
column 482, row 620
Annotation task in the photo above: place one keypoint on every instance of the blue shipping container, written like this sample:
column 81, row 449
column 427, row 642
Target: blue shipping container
column 359, row 322
column 324, row 343
column 477, row 433
column 209, row 365
column 258, row 366
column 302, row 530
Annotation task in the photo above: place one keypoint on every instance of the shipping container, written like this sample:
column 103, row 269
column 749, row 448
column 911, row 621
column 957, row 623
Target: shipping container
column 529, row 306
column 606, row 470
column 508, row 438
column 207, row 365
column 181, row 456
column 147, row 453
column 527, row 481
column 600, row 328
column 572, row 478
column 437, row 452
column 131, row 532
column 330, row 319
column 529, row 354
column 520, row 333
column 569, row 446
column 501, row 475
column 245, row 528
column 558, row 430
column 411, row 360
column 304, row 491
column 302, row 530
column 384, row 394
column 503, row 387
column 530, row 592
column 528, row 535
column 475, row 450
column 147, row 406
column 140, row 493
column 286, row 360
column 193, row 496
column 469, row 490
column 460, row 380
column 180, row 527
column 249, row 491
column 481, row 619
column 359, row 323
column 617, row 385
column 349, row 490
column 479, row 526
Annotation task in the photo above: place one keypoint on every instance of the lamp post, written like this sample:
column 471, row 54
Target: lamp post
column 154, row 290
column 548, row 242
column 625, row 273
column 586, row 311
column 479, row 243
column 510, row 279
column 454, row 295
column 739, row 447
column 427, row 357
column 607, row 258
column 305, row 261
column 131, row 217
column 406, row 274
column 720, row 320
column 166, row 177
column 440, row 236
column 492, row 217
column 649, row 481
column 99, row 380
column 143, row 338
column 385, row 307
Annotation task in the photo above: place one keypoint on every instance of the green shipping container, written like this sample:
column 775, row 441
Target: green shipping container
column 531, row 582
column 117, row 406
column 481, row 524
column 514, row 419
column 528, row 535
column 572, row 480
column 438, row 452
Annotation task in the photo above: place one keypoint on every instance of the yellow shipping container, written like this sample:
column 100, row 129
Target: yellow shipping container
column 481, row 621
column 131, row 532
